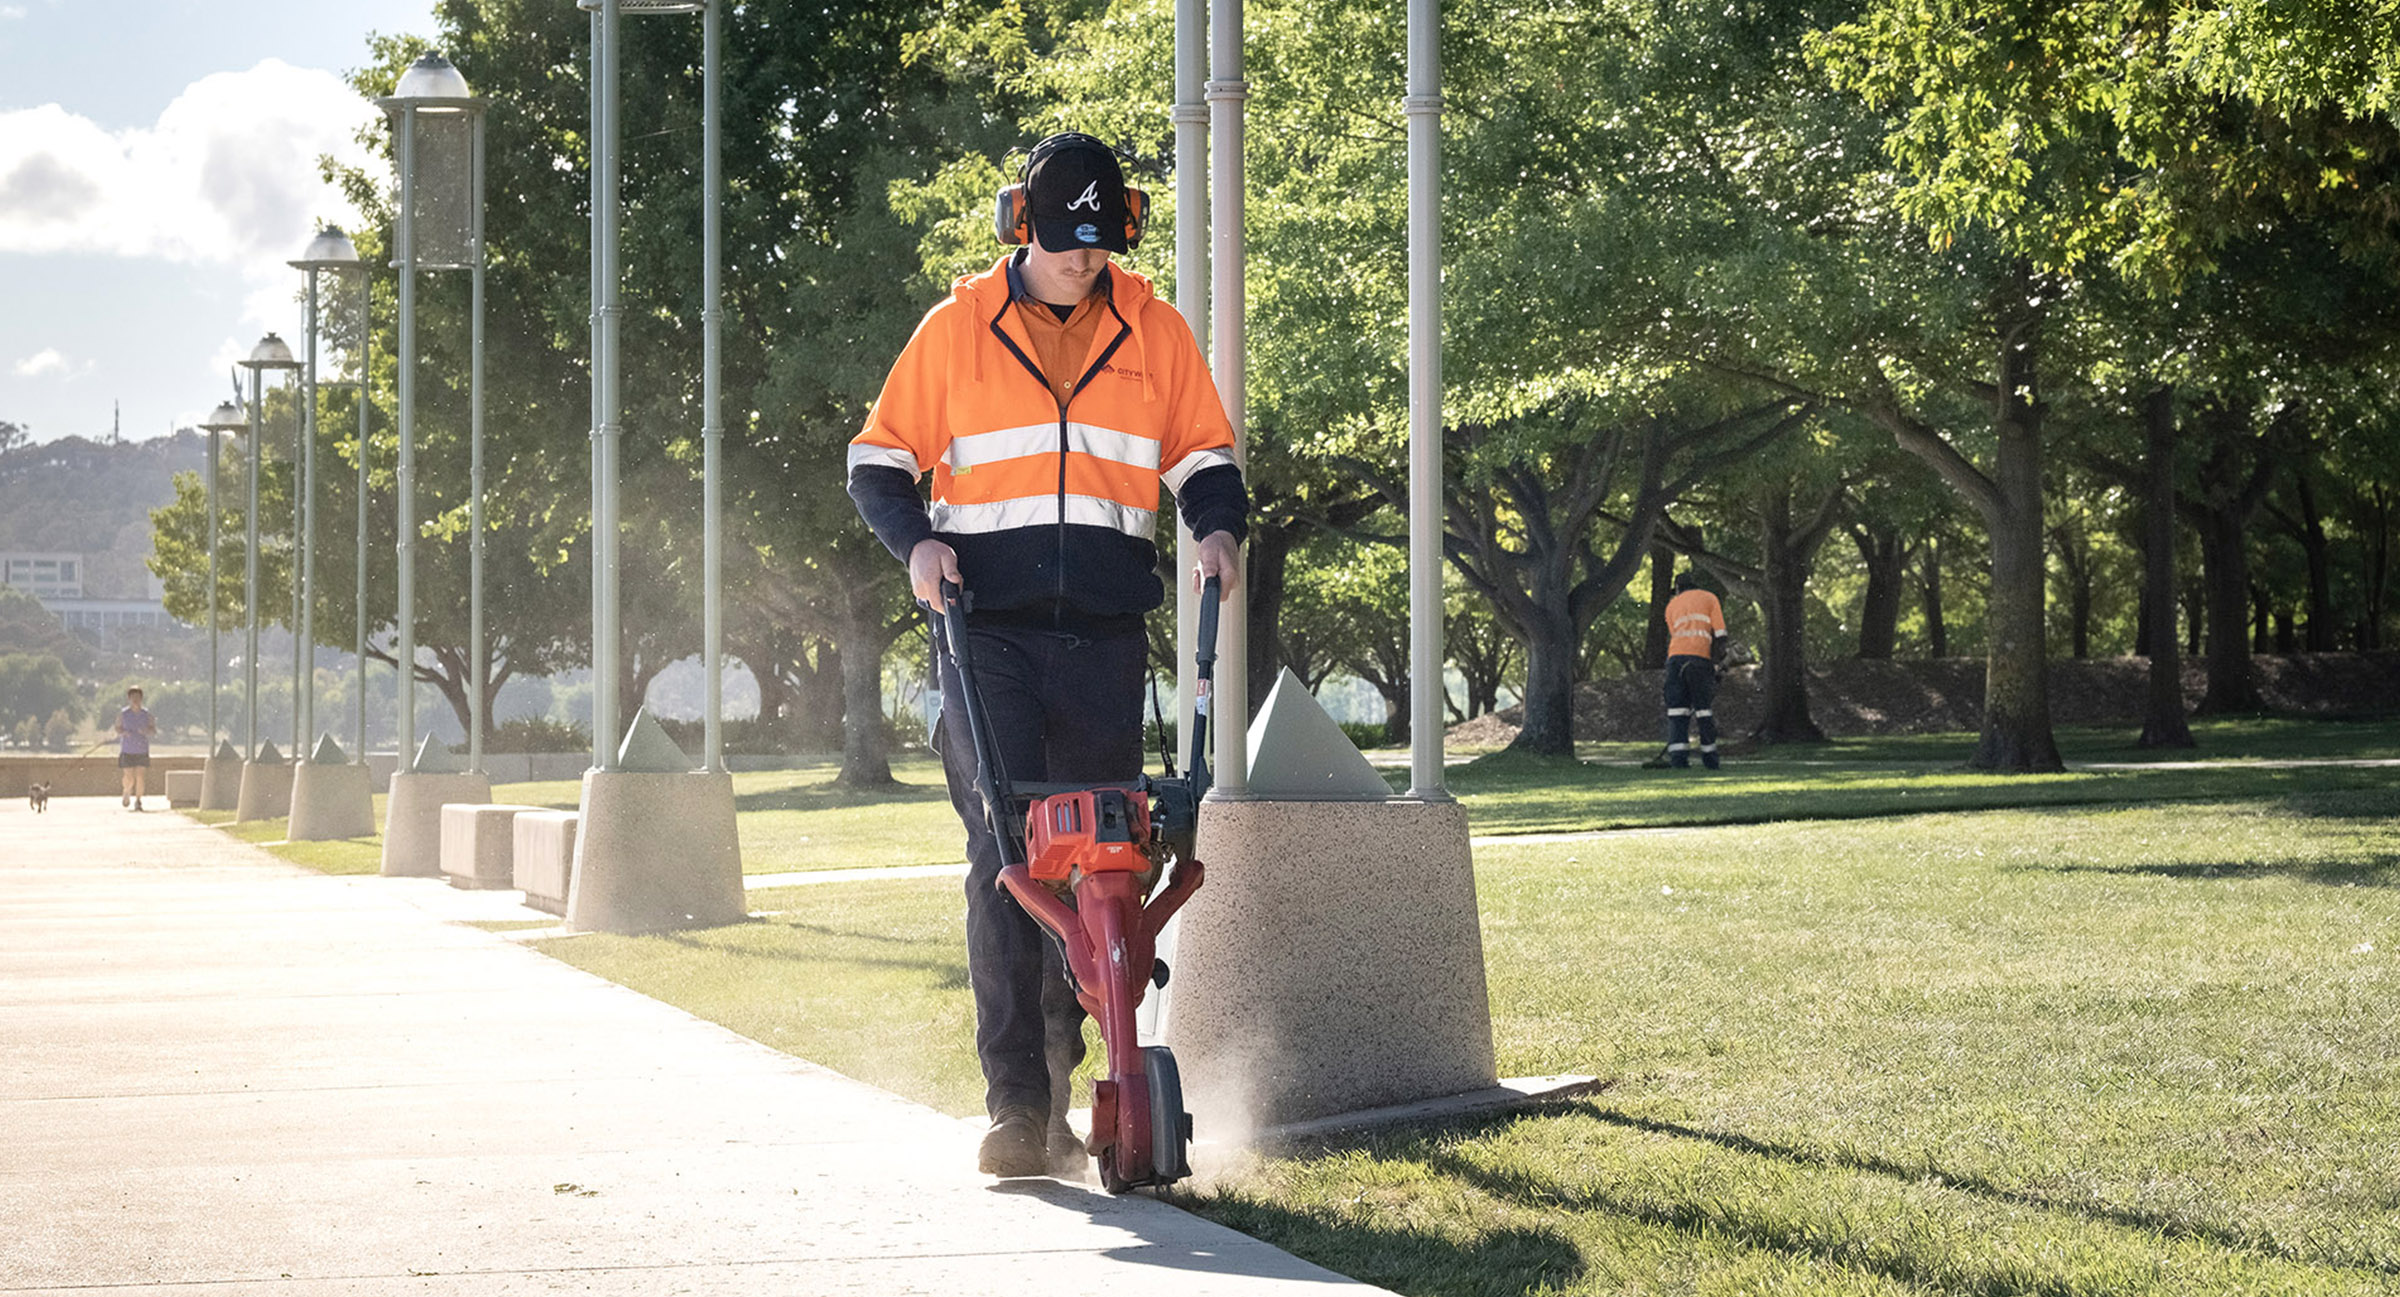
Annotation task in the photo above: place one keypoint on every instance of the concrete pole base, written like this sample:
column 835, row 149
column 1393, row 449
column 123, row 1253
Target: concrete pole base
column 1332, row 962
column 221, row 784
column 266, row 791
column 655, row 852
column 412, row 819
column 331, row 802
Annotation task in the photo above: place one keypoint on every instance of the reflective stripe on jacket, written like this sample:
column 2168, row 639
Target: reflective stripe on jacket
column 1694, row 620
column 1043, row 501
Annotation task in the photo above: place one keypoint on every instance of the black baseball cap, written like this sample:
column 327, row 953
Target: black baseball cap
column 1075, row 195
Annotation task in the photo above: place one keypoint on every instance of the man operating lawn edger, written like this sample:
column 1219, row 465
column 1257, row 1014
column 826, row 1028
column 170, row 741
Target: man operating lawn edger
column 1050, row 397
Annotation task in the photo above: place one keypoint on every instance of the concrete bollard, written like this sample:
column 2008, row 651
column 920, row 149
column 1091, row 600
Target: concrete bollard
column 1332, row 963
column 221, row 779
column 266, row 787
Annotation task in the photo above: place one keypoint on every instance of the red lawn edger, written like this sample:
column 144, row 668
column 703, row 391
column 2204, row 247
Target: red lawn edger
column 1085, row 862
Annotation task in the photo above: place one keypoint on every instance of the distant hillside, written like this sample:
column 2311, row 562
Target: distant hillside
column 93, row 498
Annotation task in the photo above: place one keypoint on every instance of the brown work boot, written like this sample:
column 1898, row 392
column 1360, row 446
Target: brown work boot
column 1013, row 1147
column 1069, row 1159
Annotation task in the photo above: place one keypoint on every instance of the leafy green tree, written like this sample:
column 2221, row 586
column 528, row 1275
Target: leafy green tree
column 28, row 627
column 32, row 687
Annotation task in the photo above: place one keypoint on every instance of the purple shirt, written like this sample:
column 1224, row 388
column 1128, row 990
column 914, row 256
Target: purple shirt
column 134, row 728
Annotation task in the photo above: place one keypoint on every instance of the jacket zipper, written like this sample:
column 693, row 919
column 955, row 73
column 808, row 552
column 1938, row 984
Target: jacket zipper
column 1124, row 331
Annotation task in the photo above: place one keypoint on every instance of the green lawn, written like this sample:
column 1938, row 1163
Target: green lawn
column 2145, row 1049
column 1606, row 787
column 2127, row 1032
column 2093, row 1049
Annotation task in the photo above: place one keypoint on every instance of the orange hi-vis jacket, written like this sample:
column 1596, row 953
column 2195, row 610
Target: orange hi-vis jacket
column 1694, row 620
column 1047, row 502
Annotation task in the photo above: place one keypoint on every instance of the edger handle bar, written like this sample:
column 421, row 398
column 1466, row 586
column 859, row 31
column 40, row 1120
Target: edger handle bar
column 990, row 780
column 1205, row 658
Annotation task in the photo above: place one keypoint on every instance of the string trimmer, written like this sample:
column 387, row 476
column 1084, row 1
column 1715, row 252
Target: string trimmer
column 1086, row 862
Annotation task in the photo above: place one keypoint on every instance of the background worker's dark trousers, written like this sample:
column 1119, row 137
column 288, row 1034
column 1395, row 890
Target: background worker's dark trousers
column 1691, row 696
column 1063, row 709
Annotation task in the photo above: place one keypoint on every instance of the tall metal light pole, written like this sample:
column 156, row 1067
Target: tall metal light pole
column 1192, row 284
column 1227, row 92
column 1423, row 105
column 227, row 417
column 438, row 129
column 366, row 351
column 607, row 397
column 332, row 251
column 639, row 865
column 270, row 353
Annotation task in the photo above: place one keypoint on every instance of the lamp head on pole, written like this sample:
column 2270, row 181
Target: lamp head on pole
column 330, row 250
column 227, row 417
column 647, row 6
column 431, row 81
column 270, row 353
column 437, row 127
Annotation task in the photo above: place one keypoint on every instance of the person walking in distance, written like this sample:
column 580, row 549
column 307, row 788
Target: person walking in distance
column 1695, row 643
column 133, row 729
column 1050, row 397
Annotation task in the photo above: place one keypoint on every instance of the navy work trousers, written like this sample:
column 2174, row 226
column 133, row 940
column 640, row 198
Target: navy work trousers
column 1063, row 709
column 1691, row 696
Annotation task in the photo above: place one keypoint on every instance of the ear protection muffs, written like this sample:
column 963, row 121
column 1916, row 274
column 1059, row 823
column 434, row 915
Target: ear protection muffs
column 1012, row 222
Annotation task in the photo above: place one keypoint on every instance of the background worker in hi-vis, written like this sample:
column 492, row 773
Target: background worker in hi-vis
column 1695, row 641
column 1050, row 397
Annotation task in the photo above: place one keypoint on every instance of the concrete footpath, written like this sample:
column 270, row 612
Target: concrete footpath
column 222, row 1073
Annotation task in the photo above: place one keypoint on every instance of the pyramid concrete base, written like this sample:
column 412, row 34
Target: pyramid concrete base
column 1332, row 962
column 221, row 784
column 412, row 820
column 332, row 802
column 266, row 791
column 655, row 852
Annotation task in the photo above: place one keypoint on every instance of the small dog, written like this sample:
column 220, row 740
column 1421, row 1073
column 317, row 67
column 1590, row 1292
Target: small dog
column 38, row 796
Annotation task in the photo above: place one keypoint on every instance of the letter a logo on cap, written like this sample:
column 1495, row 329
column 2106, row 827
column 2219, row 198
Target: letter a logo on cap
column 1090, row 197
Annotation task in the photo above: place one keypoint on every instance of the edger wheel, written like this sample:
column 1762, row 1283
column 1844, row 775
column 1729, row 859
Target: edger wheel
column 1170, row 1127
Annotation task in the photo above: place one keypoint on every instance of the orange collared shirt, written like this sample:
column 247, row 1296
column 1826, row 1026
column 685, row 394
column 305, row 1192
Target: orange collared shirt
column 1694, row 620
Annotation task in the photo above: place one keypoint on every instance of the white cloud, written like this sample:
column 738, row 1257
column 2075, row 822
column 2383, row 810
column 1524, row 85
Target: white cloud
column 10, row 12
column 46, row 361
column 227, row 175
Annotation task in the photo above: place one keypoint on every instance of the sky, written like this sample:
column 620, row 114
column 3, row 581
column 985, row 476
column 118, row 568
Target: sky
column 158, row 166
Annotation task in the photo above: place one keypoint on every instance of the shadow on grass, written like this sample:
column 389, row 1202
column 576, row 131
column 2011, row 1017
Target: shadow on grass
column 832, row 797
column 948, row 975
column 1488, row 1263
column 1435, row 1145
column 2383, row 871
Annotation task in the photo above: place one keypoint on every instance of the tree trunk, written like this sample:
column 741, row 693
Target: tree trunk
column 1549, row 726
column 2163, row 725
column 2319, row 552
column 2016, row 689
column 2075, row 557
column 859, row 639
column 2379, row 572
column 1784, row 560
column 1937, row 630
column 2225, row 567
column 1885, row 557
column 1662, row 589
column 1395, row 711
column 2262, row 638
column 1268, row 555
